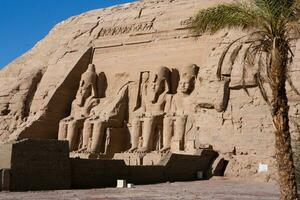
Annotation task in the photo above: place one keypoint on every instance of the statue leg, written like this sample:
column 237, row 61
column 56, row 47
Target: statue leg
column 62, row 131
column 98, row 136
column 179, row 131
column 167, row 134
column 72, row 134
column 87, row 134
column 135, row 134
column 149, row 124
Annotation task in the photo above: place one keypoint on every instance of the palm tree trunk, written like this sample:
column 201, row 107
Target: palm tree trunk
column 280, row 116
column 284, row 154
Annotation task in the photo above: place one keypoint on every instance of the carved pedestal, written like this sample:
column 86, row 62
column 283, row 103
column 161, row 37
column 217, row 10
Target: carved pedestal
column 133, row 159
column 176, row 146
column 130, row 158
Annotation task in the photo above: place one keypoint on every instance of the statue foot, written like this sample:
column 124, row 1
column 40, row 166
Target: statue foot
column 93, row 155
column 143, row 150
column 165, row 150
column 82, row 150
column 132, row 150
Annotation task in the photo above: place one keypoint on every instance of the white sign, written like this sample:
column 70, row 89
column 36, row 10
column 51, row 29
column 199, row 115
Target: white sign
column 121, row 184
column 262, row 168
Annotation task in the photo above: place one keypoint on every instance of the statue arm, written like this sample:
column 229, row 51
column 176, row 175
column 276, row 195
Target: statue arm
column 143, row 107
column 221, row 104
column 94, row 88
column 162, row 97
column 169, row 104
column 73, row 108
column 72, row 114
column 92, row 102
column 81, row 83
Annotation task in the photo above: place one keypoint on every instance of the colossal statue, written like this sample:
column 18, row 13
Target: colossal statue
column 182, row 105
column 149, row 117
column 86, row 99
column 110, row 114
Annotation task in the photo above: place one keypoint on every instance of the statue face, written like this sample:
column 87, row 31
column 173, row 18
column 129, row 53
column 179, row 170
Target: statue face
column 79, row 97
column 154, row 90
column 186, row 85
column 145, row 77
column 82, row 94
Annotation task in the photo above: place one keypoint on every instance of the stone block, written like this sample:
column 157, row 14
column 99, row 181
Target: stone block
column 130, row 185
column 5, row 179
column 121, row 183
column 95, row 173
column 37, row 165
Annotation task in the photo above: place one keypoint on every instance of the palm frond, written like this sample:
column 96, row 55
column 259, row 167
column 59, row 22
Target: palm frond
column 224, row 53
column 233, row 15
column 291, row 83
column 275, row 9
column 262, row 88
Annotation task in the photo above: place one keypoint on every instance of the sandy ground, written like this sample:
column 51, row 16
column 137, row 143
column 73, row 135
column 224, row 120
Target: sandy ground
column 212, row 190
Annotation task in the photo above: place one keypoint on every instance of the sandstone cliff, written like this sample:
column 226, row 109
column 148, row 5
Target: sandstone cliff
column 37, row 89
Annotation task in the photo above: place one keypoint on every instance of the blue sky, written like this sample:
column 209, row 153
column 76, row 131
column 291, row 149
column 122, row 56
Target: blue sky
column 25, row 22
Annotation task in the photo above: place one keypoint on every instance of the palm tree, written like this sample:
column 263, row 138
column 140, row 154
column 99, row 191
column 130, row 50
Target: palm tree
column 270, row 26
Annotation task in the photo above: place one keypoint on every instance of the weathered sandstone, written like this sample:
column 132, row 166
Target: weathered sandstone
column 125, row 41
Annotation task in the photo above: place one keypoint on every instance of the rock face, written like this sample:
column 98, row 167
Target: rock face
column 186, row 109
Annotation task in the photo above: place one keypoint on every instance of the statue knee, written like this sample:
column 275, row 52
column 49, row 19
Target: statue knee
column 136, row 122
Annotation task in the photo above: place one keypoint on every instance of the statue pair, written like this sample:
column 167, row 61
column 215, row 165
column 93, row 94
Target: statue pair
column 91, row 116
column 164, row 115
column 161, row 113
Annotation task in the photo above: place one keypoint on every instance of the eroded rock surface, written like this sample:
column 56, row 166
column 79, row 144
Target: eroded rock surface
column 127, row 44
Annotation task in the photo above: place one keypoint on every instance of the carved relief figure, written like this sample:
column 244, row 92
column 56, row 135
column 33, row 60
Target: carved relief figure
column 86, row 99
column 111, row 114
column 149, row 118
column 183, row 104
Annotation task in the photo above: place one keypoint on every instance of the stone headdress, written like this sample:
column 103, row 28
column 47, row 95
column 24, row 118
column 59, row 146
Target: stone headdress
column 163, row 74
column 190, row 71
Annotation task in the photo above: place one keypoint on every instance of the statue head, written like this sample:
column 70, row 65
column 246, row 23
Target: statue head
column 158, row 84
column 145, row 77
column 187, row 79
column 91, row 68
column 85, row 87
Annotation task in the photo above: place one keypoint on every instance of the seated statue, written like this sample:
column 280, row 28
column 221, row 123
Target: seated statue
column 149, row 118
column 182, row 105
column 86, row 99
column 111, row 114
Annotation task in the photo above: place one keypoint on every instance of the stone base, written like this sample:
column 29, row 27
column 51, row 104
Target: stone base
column 152, row 158
column 87, row 155
column 176, row 146
column 83, row 155
column 134, row 159
column 130, row 159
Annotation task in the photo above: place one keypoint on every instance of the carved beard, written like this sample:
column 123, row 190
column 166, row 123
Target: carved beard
column 153, row 96
column 80, row 100
column 82, row 95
